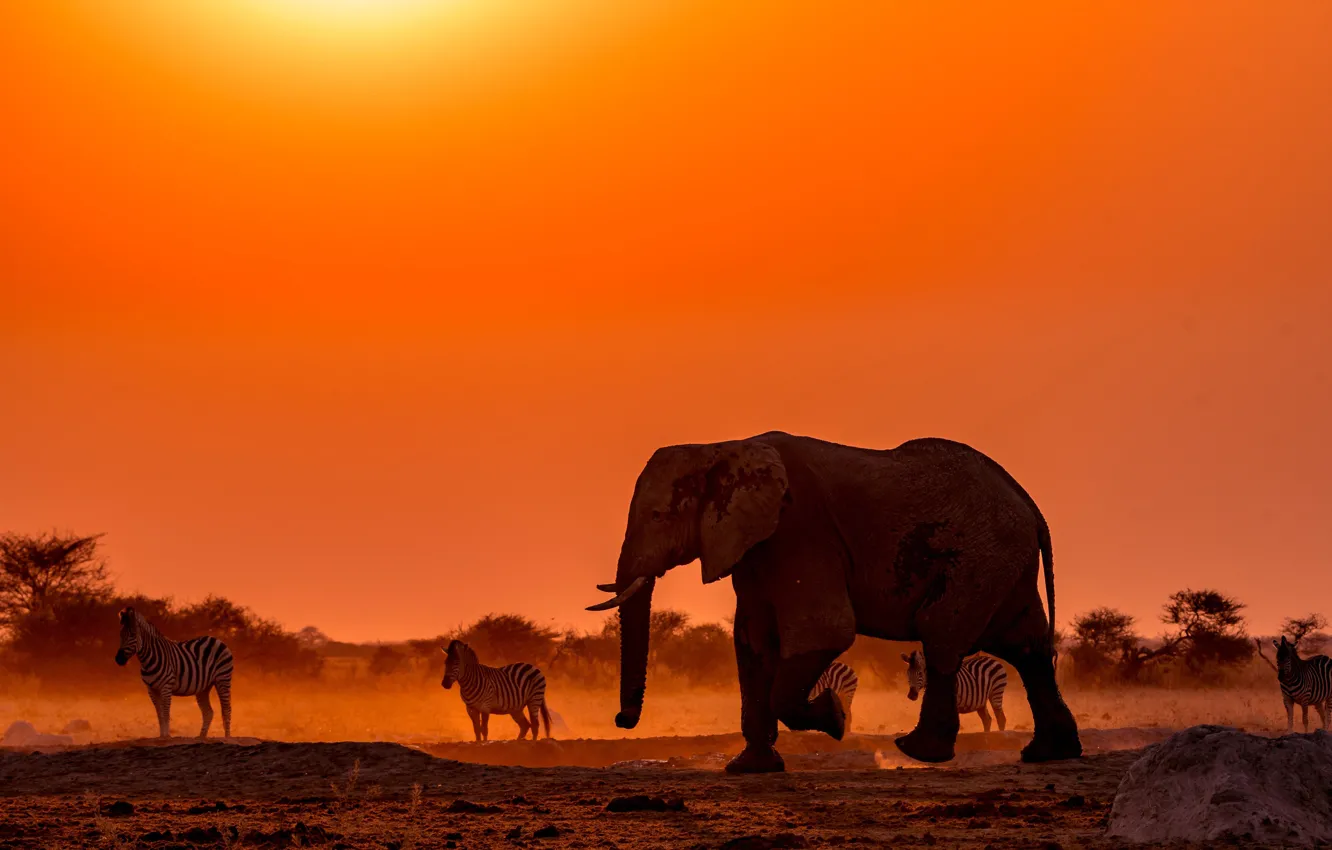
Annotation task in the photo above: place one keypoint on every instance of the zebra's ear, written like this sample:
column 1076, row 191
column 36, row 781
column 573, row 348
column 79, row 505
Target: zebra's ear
column 906, row 658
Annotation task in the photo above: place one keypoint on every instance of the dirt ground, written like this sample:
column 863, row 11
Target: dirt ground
column 252, row 793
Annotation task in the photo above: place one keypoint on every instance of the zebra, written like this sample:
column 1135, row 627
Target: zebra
column 177, row 668
column 1304, row 682
column 980, row 679
column 841, row 680
column 496, row 690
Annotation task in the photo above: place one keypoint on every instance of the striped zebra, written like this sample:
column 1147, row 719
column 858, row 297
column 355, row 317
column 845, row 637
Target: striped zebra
column 510, row 690
column 1304, row 682
column 980, row 679
column 841, row 680
column 177, row 668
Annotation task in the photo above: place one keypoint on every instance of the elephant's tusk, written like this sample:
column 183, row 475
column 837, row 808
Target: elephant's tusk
column 608, row 588
column 617, row 601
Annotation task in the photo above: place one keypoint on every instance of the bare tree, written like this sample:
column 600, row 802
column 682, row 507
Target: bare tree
column 1305, row 632
column 36, row 571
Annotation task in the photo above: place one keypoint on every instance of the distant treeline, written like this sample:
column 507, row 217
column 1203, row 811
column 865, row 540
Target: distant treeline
column 58, row 625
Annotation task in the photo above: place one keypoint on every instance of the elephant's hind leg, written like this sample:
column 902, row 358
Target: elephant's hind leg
column 1056, row 735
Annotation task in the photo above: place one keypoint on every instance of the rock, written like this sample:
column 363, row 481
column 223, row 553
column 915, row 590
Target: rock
column 644, row 803
column 21, row 733
column 467, row 807
column 549, row 831
column 76, row 726
column 119, row 809
column 1213, row 783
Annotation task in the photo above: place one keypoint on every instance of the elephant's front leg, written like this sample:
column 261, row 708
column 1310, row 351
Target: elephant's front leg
column 935, row 735
column 758, row 723
column 796, row 677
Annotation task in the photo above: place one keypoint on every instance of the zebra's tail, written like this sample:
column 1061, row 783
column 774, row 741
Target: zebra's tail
column 545, row 716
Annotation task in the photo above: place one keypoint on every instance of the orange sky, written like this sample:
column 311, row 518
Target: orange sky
column 371, row 322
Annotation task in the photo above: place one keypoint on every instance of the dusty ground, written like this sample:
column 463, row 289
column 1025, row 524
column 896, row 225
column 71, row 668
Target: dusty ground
column 308, row 793
column 265, row 794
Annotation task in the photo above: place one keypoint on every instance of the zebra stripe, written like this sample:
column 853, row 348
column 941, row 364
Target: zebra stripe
column 496, row 690
column 841, row 680
column 1304, row 682
column 980, row 680
column 177, row 668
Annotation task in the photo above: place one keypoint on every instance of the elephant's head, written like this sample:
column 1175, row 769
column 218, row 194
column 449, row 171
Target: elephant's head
column 711, row 502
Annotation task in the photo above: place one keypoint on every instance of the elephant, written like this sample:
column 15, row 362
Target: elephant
column 931, row 541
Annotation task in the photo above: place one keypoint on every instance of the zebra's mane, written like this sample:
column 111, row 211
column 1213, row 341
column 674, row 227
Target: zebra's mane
column 143, row 627
column 465, row 653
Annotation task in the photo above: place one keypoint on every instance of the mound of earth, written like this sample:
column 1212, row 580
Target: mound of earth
column 1214, row 783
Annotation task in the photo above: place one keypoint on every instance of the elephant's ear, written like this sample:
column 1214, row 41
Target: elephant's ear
column 742, row 501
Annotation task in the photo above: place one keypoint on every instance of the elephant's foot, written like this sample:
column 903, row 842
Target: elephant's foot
column 825, row 714
column 1052, row 748
column 757, row 760
column 924, row 747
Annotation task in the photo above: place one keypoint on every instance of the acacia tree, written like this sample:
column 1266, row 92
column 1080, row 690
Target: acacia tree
column 1098, row 637
column 1209, row 627
column 1306, row 632
column 37, row 571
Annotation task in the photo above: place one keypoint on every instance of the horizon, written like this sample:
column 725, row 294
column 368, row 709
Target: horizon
column 377, row 334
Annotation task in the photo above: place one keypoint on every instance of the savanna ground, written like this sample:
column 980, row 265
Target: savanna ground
column 116, row 789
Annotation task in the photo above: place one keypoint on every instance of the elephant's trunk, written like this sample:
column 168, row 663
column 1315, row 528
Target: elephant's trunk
column 635, row 618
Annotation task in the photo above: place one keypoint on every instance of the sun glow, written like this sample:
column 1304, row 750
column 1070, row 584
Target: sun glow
column 352, row 53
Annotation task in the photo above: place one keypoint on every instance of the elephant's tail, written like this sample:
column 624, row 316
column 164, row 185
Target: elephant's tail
column 1047, row 555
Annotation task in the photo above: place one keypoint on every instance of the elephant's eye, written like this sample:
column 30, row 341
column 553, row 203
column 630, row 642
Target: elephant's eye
column 656, row 516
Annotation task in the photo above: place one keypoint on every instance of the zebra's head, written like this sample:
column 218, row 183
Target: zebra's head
column 129, row 637
column 915, row 673
column 457, row 655
column 1286, row 655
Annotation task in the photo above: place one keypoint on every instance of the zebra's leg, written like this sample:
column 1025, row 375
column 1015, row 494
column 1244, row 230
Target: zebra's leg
column 485, row 725
column 1322, row 712
column 205, row 709
column 1290, row 712
column 475, row 717
column 534, row 712
column 164, row 714
column 998, row 704
column 1304, row 715
column 224, row 698
column 521, row 720
column 985, row 718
